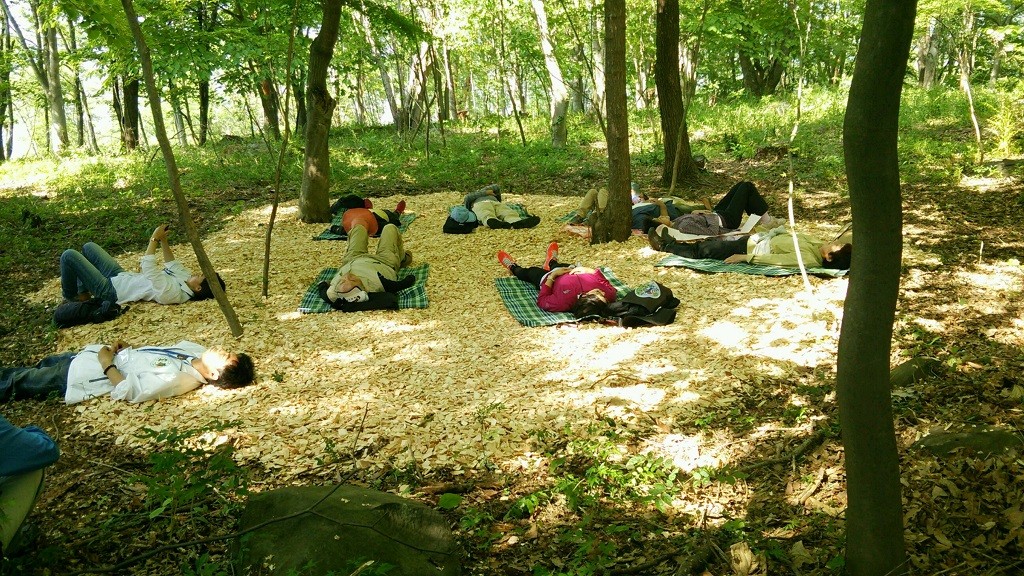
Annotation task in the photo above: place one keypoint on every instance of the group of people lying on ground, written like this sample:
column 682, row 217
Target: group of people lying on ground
column 363, row 281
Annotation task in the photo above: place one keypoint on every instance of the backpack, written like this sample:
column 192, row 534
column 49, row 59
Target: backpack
column 94, row 311
column 651, row 304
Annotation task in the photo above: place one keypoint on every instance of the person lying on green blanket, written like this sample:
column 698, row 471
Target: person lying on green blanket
column 772, row 248
column 486, row 204
column 725, row 217
column 564, row 288
column 362, row 273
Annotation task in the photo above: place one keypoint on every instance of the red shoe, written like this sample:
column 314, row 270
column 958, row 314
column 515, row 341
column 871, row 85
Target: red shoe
column 506, row 260
column 401, row 207
column 552, row 255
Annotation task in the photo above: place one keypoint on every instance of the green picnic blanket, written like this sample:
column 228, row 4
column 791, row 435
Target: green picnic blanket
column 745, row 268
column 405, row 219
column 414, row 296
column 521, row 300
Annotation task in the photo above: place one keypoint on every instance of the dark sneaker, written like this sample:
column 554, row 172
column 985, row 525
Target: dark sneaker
column 496, row 224
column 528, row 222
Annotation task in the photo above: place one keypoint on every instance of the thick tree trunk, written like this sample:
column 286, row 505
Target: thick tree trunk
column 874, row 517
column 614, row 222
column 314, row 200
column 759, row 79
column 670, row 96
column 559, row 102
column 172, row 172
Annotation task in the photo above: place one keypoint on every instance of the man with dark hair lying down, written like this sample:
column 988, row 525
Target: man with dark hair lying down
column 772, row 248
column 126, row 373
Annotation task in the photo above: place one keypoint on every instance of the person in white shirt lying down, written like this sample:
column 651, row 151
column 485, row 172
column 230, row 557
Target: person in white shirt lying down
column 127, row 373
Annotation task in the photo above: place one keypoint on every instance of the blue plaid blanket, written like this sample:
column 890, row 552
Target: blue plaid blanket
column 521, row 300
column 414, row 296
column 745, row 268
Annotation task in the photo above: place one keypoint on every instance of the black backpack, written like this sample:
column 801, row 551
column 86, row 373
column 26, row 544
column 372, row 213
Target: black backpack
column 651, row 304
column 92, row 311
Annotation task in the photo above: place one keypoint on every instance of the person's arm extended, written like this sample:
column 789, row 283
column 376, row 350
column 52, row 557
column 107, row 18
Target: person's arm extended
column 159, row 236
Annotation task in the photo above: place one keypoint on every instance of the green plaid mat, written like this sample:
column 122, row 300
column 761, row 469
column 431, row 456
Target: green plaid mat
column 521, row 300
column 405, row 220
column 745, row 268
column 414, row 296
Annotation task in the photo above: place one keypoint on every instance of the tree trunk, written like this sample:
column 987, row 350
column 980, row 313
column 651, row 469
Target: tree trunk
column 597, row 51
column 378, row 59
column 204, row 110
column 55, row 93
column 299, row 92
column 614, row 222
column 271, row 108
column 928, row 56
column 6, row 103
column 758, row 79
column 314, row 200
column 179, row 116
column 670, row 96
column 874, row 517
column 172, row 172
column 130, row 129
column 559, row 104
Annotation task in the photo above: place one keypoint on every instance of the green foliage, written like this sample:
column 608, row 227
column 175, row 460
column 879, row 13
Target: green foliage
column 449, row 501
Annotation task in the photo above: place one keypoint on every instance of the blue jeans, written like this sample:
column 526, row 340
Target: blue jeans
column 88, row 271
column 50, row 375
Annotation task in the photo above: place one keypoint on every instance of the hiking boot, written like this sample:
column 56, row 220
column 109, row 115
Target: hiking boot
column 496, row 224
column 552, row 255
column 654, row 239
column 528, row 222
column 505, row 260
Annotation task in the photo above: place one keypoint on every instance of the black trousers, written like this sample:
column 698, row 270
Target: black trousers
column 742, row 197
column 710, row 249
column 533, row 274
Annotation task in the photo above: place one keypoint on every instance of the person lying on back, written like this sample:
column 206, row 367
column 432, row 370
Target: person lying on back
column 94, row 273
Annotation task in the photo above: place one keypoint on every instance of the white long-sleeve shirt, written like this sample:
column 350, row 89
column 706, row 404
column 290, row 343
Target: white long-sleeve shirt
column 150, row 373
column 163, row 284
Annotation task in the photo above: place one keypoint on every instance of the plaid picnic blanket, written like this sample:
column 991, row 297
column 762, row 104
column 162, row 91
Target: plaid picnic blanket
column 414, row 296
column 405, row 219
column 521, row 300
column 745, row 268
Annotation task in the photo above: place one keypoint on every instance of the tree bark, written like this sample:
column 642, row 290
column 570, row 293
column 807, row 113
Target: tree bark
column 55, row 93
column 670, row 96
column 874, row 518
column 130, row 102
column 559, row 102
column 614, row 222
column 299, row 92
column 172, row 171
column 760, row 79
column 314, row 201
column 271, row 107
column 204, row 110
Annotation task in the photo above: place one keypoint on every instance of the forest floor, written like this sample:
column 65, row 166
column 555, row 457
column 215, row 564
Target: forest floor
column 736, row 398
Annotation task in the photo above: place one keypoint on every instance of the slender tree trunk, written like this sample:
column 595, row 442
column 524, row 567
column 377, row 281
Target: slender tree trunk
column 55, row 94
column 559, row 102
column 599, row 58
column 928, row 56
column 179, row 117
column 299, row 92
column 670, row 96
column 314, row 201
column 204, row 111
column 614, row 222
column 94, row 146
column 874, row 517
column 271, row 107
column 357, row 103
column 6, row 103
column 184, row 213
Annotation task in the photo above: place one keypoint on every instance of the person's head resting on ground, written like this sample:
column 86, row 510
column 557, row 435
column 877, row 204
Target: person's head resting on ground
column 836, row 256
column 200, row 287
column 225, row 369
column 591, row 303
